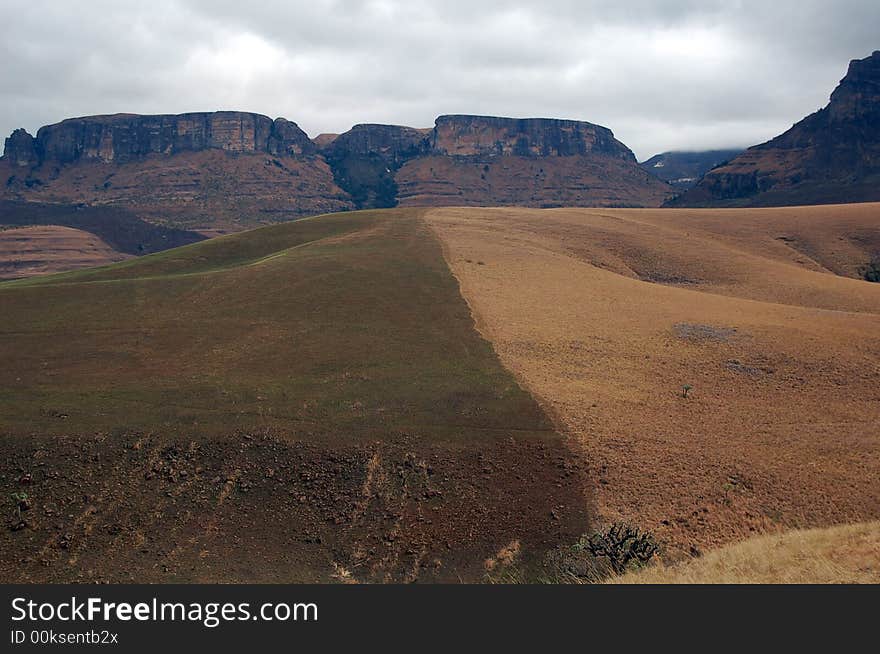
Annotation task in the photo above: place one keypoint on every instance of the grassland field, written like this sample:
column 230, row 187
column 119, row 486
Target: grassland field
column 429, row 394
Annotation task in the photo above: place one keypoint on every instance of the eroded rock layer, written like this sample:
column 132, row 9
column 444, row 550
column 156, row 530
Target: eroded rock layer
column 226, row 171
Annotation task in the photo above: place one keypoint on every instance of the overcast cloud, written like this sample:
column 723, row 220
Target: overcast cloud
column 662, row 75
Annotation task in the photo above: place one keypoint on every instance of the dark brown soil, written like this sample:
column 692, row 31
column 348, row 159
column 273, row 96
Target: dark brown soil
column 262, row 508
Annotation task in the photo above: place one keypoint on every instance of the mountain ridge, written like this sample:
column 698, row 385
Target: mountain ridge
column 229, row 170
column 831, row 156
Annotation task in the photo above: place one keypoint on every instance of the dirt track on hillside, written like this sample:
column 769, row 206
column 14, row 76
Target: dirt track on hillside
column 607, row 314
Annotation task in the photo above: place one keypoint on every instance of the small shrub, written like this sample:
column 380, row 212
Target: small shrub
column 608, row 552
column 21, row 502
column 871, row 271
column 623, row 545
column 686, row 390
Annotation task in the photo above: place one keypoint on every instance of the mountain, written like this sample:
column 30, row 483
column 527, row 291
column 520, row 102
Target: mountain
column 831, row 156
column 224, row 171
column 486, row 160
column 684, row 169
column 216, row 171
column 535, row 162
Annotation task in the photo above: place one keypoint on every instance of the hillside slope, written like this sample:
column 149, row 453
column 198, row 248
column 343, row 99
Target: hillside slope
column 831, row 156
column 30, row 230
column 608, row 314
column 27, row 251
column 300, row 402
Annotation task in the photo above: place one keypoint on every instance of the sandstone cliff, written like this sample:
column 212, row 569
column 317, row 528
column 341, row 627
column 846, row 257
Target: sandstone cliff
column 365, row 159
column 230, row 170
column 526, row 137
column 212, row 171
column 486, row 160
column 125, row 137
column 830, row 156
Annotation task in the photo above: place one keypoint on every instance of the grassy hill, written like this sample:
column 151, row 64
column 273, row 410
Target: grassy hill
column 119, row 228
column 344, row 321
column 607, row 314
column 304, row 397
column 318, row 400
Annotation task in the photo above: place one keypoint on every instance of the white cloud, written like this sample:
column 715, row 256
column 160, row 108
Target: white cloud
column 663, row 75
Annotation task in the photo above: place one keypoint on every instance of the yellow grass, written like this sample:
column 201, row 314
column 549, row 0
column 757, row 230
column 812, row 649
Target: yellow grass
column 844, row 554
column 607, row 314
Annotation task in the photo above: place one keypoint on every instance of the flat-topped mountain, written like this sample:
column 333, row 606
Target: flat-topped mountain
column 211, row 171
column 831, row 156
column 126, row 137
column 228, row 170
column 525, row 137
column 487, row 160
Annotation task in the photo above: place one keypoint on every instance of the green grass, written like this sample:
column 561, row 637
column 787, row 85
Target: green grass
column 345, row 325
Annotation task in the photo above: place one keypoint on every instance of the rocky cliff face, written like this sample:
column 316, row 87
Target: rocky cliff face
column 230, row 170
column 391, row 143
column 21, row 149
column 124, row 137
column 830, row 156
column 212, row 171
column 490, row 160
column 365, row 159
column 486, row 136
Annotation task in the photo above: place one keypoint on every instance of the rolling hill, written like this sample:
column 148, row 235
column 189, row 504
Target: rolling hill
column 440, row 394
column 38, row 238
column 606, row 315
column 301, row 402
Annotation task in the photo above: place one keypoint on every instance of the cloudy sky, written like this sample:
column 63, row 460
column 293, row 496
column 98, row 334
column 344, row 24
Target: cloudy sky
column 680, row 74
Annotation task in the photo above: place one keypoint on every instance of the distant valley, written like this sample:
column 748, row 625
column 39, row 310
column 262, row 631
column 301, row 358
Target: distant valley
column 682, row 170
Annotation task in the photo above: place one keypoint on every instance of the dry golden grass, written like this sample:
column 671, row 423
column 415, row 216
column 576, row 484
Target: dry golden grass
column 606, row 314
column 845, row 554
column 40, row 250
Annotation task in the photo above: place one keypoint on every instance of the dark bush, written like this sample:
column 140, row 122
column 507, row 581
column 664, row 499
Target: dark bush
column 871, row 271
column 611, row 551
column 623, row 546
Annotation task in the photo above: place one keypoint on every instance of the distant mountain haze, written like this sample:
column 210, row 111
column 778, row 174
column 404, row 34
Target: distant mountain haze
column 684, row 169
